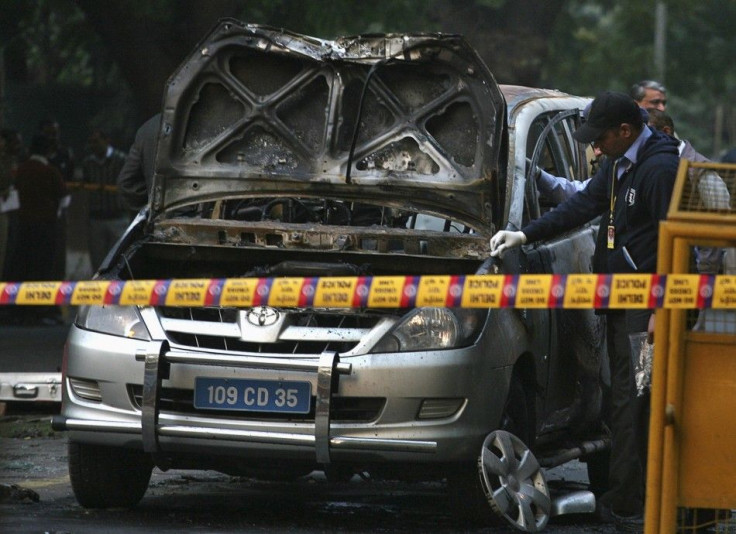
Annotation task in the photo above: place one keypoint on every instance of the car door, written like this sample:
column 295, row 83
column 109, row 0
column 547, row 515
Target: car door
column 572, row 393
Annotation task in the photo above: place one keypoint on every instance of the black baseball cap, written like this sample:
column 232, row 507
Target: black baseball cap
column 607, row 110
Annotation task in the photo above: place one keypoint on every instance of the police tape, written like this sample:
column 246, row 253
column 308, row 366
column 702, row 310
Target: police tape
column 461, row 291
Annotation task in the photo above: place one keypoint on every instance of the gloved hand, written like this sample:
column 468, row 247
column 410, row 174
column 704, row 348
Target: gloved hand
column 504, row 240
column 533, row 172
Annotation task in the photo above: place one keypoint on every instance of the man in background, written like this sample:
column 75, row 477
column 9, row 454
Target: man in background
column 14, row 154
column 61, row 157
column 709, row 185
column 649, row 94
column 107, row 217
column 40, row 190
column 136, row 177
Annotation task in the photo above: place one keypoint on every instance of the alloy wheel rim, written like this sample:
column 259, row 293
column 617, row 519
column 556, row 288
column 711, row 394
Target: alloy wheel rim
column 514, row 482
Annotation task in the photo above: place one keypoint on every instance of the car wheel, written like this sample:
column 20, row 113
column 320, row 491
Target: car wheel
column 108, row 477
column 467, row 486
column 518, row 417
column 513, row 482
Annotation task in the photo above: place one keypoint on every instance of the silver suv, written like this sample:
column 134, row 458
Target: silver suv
column 285, row 155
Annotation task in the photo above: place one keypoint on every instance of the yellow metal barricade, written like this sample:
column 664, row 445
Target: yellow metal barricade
column 691, row 477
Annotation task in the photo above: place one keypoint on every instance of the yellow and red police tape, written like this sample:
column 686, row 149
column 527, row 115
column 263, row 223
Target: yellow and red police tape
column 466, row 291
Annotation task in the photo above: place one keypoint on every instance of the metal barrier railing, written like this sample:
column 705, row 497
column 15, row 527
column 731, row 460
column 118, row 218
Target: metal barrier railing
column 692, row 438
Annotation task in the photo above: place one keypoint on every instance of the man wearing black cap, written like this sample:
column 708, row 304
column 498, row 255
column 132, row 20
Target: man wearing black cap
column 631, row 191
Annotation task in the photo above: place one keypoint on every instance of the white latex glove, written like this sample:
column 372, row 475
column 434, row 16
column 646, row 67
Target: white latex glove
column 535, row 172
column 504, row 240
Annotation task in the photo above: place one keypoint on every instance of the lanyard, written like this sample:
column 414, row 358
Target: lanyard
column 614, row 189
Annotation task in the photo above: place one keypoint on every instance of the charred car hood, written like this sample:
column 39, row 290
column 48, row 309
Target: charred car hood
column 409, row 120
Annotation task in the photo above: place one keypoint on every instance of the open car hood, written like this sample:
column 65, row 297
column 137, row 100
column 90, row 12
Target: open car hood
column 417, row 120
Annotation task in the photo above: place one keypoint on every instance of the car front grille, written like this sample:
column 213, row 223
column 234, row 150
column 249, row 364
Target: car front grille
column 298, row 331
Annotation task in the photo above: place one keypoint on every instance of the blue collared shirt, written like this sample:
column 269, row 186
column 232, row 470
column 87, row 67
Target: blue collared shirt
column 625, row 162
column 558, row 188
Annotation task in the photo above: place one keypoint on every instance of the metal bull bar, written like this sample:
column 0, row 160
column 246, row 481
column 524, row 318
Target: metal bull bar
column 157, row 366
column 158, row 360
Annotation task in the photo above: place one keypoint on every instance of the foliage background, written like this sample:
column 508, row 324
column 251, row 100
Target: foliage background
column 104, row 64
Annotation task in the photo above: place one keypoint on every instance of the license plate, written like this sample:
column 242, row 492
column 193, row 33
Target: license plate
column 252, row 395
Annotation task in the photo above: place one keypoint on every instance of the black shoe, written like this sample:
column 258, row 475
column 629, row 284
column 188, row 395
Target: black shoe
column 603, row 513
column 628, row 523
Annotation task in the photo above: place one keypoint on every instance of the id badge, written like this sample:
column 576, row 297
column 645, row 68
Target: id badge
column 611, row 236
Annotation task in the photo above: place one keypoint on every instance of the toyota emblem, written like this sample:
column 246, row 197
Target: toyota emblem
column 262, row 316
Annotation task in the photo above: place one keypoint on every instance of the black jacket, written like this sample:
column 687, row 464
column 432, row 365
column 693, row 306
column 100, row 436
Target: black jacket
column 643, row 197
column 136, row 176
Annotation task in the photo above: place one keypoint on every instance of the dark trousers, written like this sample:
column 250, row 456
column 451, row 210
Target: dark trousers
column 628, row 416
column 32, row 261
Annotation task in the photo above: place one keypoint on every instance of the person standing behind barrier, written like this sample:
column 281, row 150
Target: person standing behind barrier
column 16, row 153
column 136, row 177
column 649, row 94
column 107, row 216
column 729, row 156
column 711, row 188
column 61, row 157
column 7, row 179
column 632, row 191
column 40, row 190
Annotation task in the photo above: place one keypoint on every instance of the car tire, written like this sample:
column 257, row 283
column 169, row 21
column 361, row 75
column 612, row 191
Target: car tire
column 513, row 482
column 466, row 485
column 108, row 477
column 518, row 414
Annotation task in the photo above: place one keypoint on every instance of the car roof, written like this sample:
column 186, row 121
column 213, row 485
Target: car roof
column 517, row 95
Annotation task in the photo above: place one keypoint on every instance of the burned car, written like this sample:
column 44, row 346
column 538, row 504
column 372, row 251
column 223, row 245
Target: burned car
column 281, row 155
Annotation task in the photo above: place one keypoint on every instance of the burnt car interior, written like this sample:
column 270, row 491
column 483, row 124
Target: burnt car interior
column 184, row 250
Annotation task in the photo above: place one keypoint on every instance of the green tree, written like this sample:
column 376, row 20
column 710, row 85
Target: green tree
column 148, row 39
column 601, row 44
column 138, row 43
column 130, row 47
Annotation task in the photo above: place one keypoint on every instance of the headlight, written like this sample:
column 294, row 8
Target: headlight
column 123, row 321
column 433, row 328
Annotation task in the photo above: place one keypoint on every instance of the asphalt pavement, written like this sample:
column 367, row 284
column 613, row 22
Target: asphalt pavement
column 36, row 496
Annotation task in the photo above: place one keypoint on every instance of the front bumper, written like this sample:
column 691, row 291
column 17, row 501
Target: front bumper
column 395, row 435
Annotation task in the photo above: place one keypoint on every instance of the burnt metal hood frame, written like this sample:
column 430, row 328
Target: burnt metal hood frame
column 412, row 121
